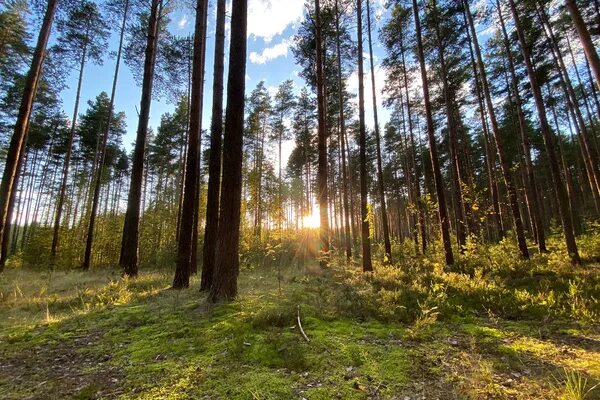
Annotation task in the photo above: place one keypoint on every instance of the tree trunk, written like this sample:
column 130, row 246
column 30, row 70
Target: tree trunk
column 194, row 254
column 321, row 143
column 87, row 258
column 348, row 241
column 455, row 167
column 131, row 229
column 17, row 143
column 530, row 184
column 365, row 232
column 380, row 182
column 227, row 257
column 214, row 163
column 587, row 149
column 186, row 236
column 435, row 163
column 508, row 180
column 561, row 194
column 585, row 38
column 65, row 174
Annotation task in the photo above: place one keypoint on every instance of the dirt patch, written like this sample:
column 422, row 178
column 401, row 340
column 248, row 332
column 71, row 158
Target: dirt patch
column 66, row 369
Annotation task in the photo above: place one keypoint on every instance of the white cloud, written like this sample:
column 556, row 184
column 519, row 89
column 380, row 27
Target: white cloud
column 270, row 53
column 183, row 22
column 268, row 18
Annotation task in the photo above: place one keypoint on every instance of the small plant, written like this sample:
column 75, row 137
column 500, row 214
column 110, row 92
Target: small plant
column 575, row 386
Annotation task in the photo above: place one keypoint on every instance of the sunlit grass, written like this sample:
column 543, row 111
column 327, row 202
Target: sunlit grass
column 497, row 327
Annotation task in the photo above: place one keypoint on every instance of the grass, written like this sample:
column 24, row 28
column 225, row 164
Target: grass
column 495, row 327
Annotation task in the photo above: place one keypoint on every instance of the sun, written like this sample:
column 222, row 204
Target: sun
column 313, row 220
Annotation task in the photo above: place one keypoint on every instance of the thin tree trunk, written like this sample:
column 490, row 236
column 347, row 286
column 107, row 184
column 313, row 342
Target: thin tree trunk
column 508, row 180
column 530, row 184
column 214, row 163
column 562, row 196
column 380, row 182
column 194, row 254
column 365, row 231
column 131, row 229
column 587, row 149
column 435, row 163
column 186, row 236
column 455, row 167
column 348, row 241
column 585, row 38
column 98, row 182
column 17, row 143
column 65, row 174
column 321, row 143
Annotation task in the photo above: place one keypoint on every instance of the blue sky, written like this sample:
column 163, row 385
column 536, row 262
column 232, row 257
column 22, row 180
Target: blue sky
column 271, row 26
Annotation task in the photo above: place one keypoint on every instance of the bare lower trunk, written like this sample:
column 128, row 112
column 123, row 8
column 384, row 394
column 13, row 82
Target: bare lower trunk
column 508, row 180
column 380, row 182
column 188, row 216
column 435, row 164
column 321, row 143
column 365, row 231
column 227, row 259
column 214, row 166
column 561, row 194
column 131, row 230
column 87, row 258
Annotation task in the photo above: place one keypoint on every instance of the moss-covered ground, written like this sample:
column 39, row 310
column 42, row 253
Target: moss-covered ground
column 496, row 327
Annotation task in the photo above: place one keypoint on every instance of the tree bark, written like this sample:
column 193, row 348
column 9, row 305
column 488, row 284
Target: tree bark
column 87, row 258
column 561, row 194
column 348, row 241
column 504, row 165
column 321, row 143
column 227, row 260
column 131, row 229
column 184, row 246
column 585, row 38
column 365, row 231
column 380, row 182
column 435, row 163
column 214, row 163
column 529, row 181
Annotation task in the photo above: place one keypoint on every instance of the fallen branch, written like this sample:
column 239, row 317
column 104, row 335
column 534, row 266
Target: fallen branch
column 300, row 326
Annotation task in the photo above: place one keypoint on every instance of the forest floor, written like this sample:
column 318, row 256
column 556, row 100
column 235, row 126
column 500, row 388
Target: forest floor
column 509, row 329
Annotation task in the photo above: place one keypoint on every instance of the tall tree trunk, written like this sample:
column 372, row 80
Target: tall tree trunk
column 435, row 163
column 364, row 200
column 490, row 156
column 585, row 38
column 455, row 167
column 530, row 184
column 419, row 204
column 348, row 241
column 67, row 164
column 194, row 254
column 380, row 182
column 186, row 236
column 214, row 163
column 227, row 260
column 504, row 164
column 87, row 258
column 17, row 143
column 587, row 148
column 131, row 229
column 561, row 194
column 321, row 143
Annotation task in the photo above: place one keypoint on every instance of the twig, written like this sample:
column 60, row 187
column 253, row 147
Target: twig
column 300, row 326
